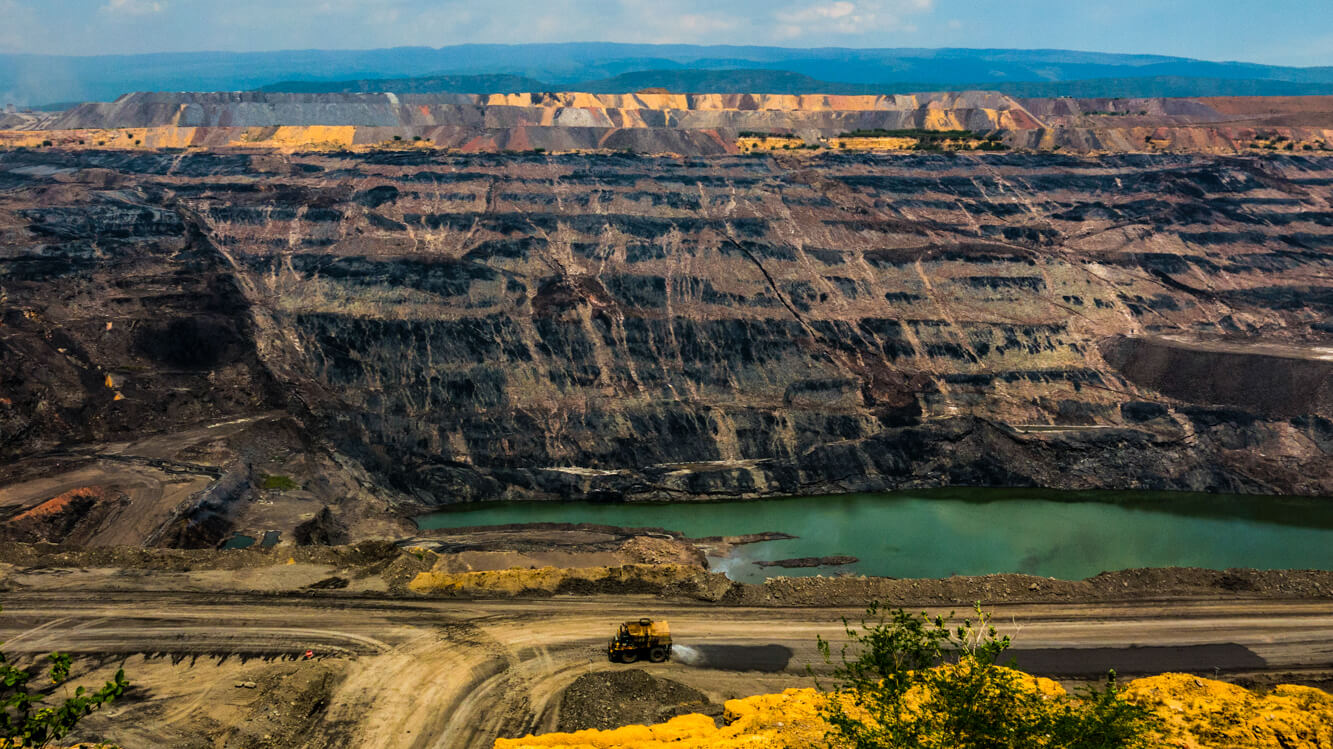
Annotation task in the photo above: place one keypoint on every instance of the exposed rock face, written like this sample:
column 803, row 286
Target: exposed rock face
column 118, row 320
column 322, row 530
column 977, row 109
column 481, row 327
column 687, row 124
column 1264, row 379
column 696, row 124
column 72, row 517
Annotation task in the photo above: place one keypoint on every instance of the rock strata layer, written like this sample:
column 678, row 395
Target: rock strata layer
column 683, row 124
column 620, row 327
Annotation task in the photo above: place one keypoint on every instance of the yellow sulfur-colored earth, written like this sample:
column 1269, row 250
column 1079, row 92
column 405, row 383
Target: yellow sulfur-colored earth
column 1194, row 713
column 1205, row 713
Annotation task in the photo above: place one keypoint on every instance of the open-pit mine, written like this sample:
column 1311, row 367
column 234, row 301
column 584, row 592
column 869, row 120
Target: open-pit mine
column 247, row 340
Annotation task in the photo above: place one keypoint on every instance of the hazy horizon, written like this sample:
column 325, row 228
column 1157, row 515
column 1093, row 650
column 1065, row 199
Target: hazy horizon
column 1286, row 32
column 574, row 42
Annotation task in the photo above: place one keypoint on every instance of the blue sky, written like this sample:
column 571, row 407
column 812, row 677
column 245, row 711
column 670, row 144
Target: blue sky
column 1284, row 32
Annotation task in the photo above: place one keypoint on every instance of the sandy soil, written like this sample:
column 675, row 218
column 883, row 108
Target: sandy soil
column 395, row 669
column 391, row 672
column 553, row 545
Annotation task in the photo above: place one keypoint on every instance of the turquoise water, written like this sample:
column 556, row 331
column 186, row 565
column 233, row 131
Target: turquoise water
column 239, row 541
column 1068, row 535
column 242, row 541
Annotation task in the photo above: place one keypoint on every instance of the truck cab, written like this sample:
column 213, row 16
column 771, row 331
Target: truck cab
column 644, row 638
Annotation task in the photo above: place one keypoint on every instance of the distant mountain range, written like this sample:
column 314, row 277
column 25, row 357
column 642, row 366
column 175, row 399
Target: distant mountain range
column 41, row 79
column 786, row 82
column 429, row 84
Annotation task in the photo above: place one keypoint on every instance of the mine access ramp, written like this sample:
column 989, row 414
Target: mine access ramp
column 644, row 638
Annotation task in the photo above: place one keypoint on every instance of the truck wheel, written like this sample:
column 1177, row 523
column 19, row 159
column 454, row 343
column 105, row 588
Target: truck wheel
column 629, row 656
column 657, row 655
column 612, row 657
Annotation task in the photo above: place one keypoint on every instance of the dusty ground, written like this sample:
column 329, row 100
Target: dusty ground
column 554, row 545
column 643, row 565
column 395, row 670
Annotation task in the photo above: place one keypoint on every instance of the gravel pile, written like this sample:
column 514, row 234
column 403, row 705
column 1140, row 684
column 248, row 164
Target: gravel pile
column 615, row 698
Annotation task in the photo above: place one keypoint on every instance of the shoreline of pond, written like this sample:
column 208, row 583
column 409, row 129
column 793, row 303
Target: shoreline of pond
column 941, row 533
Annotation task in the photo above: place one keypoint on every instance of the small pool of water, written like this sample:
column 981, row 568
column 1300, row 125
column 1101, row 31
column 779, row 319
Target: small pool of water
column 1068, row 535
column 239, row 541
column 242, row 541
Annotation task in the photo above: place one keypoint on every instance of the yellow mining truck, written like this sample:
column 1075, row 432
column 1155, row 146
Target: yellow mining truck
column 644, row 638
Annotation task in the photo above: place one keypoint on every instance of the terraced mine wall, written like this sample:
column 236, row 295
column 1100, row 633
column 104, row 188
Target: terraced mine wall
column 700, row 124
column 978, row 110
column 620, row 327
column 1294, row 382
column 681, row 124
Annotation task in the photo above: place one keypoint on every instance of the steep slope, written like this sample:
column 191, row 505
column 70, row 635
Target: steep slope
column 656, row 122
column 975, row 109
column 509, row 326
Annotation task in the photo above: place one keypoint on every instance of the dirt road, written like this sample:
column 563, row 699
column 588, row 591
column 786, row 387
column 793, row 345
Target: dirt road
column 420, row 673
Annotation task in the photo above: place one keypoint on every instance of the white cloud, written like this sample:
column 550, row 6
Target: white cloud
column 629, row 21
column 134, row 7
column 693, row 24
column 356, row 7
column 22, row 30
column 840, row 9
column 847, row 17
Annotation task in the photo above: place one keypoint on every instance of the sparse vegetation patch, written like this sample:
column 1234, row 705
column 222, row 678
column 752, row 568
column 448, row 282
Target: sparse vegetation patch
column 278, row 482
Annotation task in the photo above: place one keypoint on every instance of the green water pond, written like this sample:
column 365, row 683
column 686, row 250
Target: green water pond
column 937, row 533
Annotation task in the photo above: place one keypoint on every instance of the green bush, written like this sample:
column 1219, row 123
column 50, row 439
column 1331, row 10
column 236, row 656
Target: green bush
column 921, row 682
column 756, row 134
column 910, row 133
column 278, row 483
column 25, row 721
